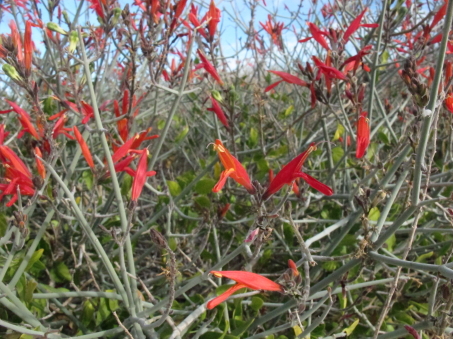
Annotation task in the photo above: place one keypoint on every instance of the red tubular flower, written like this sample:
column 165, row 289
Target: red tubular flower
column 178, row 8
column 274, row 30
column 292, row 171
column 243, row 280
column 328, row 71
column 124, row 149
column 28, row 48
column 292, row 265
column 317, row 34
column 214, row 15
column 363, row 135
column 286, row 77
column 218, row 111
column 449, row 102
column 355, row 25
column 60, row 129
column 39, row 164
column 140, row 175
column 357, row 59
column 25, row 120
column 209, row 67
column 233, row 169
column 84, row 147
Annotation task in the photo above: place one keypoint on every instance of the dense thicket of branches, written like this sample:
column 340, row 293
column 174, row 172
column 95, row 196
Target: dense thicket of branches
column 147, row 164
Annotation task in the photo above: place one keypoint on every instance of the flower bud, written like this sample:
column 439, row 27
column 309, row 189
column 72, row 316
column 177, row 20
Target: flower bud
column 11, row 72
column 54, row 27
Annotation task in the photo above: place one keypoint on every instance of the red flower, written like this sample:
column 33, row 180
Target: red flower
column 317, row 34
column 214, row 19
column 140, row 174
column 357, row 59
column 275, row 31
column 449, row 102
column 25, row 120
column 286, row 77
column 28, row 48
column 209, row 67
column 355, row 25
column 60, row 129
column 363, row 135
column 233, row 169
column 243, row 280
column 292, row 265
column 328, row 71
column 218, row 111
column 39, row 164
column 292, row 171
column 84, row 147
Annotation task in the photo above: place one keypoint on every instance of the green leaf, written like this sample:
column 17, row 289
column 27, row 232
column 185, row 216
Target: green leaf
column 174, row 188
column 126, row 185
column 88, row 178
column 34, row 258
column 424, row 257
column 339, row 132
column 182, row 134
column 289, row 110
column 391, row 241
column 103, row 311
column 404, row 317
column 242, row 328
column 63, row 271
column 257, row 303
column 253, row 140
column 383, row 137
column 204, row 186
column 337, row 153
column 374, row 214
column 3, row 225
column 351, row 328
column 113, row 303
column 87, row 312
column 29, row 289
column 203, row 201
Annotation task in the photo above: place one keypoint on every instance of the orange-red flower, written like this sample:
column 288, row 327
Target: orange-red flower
column 274, row 30
column 209, row 67
column 219, row 112
column 233, row 169
column 24, row 119
column 292, row 171
column 214, row 19
column 84, row 147
column 363, row 135
column 286, row 77
column 449, row 102
column 39, row 164
column 243, row 280
column 140, row 174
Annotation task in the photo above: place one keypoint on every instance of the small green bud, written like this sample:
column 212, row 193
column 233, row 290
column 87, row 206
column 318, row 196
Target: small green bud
column 54, row 27
column 11, row 72
column 73, row 41
column 116, row 14
column 216, row 95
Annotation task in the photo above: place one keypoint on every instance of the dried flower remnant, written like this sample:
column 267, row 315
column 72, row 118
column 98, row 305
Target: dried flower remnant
column 292, row 171
column 243, row 280
column 233, row 169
